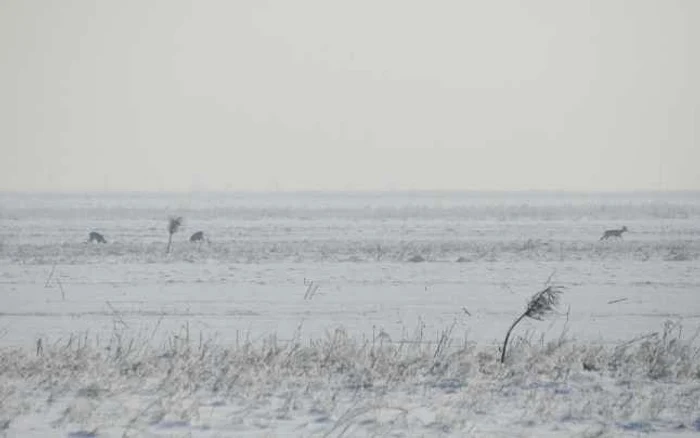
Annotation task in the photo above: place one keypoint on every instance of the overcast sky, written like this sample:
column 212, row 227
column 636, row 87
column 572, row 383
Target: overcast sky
column 353, row 95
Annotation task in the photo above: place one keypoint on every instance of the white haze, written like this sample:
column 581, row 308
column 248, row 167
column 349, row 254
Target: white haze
column 274, row 95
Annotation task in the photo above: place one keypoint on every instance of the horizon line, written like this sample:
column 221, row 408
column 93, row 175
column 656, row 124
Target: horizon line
column 344, row 191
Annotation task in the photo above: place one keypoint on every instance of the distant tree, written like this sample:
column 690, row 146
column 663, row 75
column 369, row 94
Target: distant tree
column 174, row 224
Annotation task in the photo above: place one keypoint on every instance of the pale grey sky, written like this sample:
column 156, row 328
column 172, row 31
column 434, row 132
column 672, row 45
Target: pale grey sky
column 361, row 94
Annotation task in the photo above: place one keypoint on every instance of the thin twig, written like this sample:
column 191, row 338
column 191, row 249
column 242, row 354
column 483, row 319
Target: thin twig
column 637, row 339
column 63, row 293
column 48, row 279
column 311, row 289
column 117, row 314
column 549, row 279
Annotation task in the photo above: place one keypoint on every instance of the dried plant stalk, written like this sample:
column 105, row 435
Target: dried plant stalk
column 541, row 304
column 174, row 224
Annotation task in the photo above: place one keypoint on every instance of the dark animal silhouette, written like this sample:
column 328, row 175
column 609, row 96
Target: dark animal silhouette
column 96, row 237
column 613, row 233
column 198, row 237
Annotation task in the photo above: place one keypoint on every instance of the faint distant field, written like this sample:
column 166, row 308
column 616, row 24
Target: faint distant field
column 348, row 315
column 481, row 253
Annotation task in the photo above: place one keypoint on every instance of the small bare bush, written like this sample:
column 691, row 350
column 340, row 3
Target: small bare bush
column 174, row 224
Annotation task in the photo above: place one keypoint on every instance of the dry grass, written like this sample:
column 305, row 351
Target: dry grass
column 205, row 363
column 346, row 378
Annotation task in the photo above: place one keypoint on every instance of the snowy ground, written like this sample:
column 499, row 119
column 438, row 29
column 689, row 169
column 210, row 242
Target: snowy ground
column 305, row 315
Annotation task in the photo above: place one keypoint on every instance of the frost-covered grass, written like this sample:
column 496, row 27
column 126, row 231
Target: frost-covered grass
column 339, row 385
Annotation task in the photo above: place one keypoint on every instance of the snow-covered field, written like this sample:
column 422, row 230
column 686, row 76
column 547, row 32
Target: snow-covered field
column 348, row 314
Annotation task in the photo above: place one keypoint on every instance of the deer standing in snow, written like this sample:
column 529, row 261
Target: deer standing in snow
column 94, row 236
column 198, row 237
